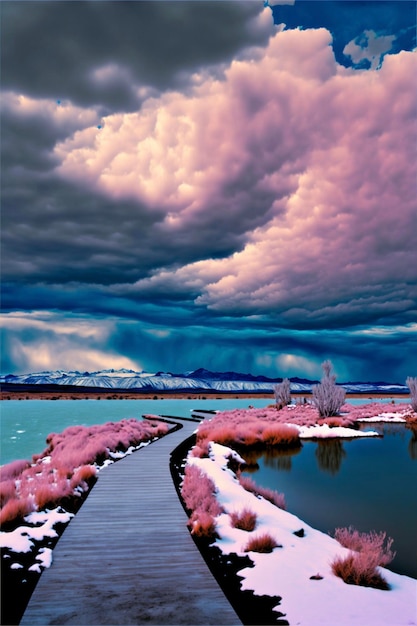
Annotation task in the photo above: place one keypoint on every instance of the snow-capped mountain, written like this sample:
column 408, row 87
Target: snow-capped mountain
column 200, row 380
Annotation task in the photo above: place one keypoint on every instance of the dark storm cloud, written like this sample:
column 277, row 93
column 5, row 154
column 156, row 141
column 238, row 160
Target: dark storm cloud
column 53, row 231
column 100, row 53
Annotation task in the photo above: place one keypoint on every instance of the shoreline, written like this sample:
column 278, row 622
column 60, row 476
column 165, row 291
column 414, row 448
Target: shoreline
column 111, row 394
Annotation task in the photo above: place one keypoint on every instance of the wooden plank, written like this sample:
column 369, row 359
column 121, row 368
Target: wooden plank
column 127, row 556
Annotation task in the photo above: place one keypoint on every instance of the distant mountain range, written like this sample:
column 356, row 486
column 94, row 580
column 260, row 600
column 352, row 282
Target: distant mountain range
column 198, row 381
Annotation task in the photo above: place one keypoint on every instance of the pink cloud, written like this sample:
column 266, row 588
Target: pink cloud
column 314, row 161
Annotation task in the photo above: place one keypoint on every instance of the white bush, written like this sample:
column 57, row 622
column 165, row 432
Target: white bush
column 282, row 392
column 412, row 385
column 327, row 396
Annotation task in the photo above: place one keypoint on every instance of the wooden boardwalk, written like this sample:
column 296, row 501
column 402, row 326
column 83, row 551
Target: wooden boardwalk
column 127, row 556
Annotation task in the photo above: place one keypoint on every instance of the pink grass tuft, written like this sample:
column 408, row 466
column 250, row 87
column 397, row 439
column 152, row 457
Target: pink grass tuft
column 13, row 469
column 359, row 569
column 244, row 520
column 203, row 525
column 367, row 552
column 281, row 435
column 276, row 498
column 198, row 492
column 261, row 543
column 7, row 491
column 16, row 509
column 372, row 542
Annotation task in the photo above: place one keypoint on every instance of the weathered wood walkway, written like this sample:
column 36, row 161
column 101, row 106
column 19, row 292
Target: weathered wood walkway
column 127, row 556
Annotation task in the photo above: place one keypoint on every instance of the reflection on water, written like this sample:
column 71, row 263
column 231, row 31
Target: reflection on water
column 280, row 459
column 412, row 444
column 274, row 458
column 367, row 482
column 329, row 455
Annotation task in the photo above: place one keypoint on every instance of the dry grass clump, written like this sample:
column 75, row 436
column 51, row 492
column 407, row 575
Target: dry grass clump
column 276, row 498
column 368, row 552
column 261, row 543
column 244, row 520
column 198, row 493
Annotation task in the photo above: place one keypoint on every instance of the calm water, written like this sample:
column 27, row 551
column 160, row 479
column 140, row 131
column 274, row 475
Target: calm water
column 25, row 424
column 368, row 483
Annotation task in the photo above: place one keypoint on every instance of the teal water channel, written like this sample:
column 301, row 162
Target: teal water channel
column 369, row 483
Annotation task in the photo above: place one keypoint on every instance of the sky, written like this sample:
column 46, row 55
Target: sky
column 228, row 185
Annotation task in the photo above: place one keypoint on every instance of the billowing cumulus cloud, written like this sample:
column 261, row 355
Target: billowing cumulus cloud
column 324, row 202
column 204, row 180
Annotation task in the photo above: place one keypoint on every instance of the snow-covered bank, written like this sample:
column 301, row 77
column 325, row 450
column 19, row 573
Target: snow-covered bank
column 287, row 571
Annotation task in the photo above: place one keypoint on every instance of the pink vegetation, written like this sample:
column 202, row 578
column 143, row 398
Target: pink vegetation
column 261, row 543
column 80, row 445
column 376, row 408
column 65, row 469
column 244, row 520
column 368, row 551
column 253, row 427
column 270, row 426
column 198, row 493
column 276, row 498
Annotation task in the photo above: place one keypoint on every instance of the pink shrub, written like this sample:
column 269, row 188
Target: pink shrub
column 367, row 552
column 359, row 569
column 371, row 542
column 246, row 437
column 198, row 492
column 261, row 543
column 200, row 451
column 83, row 474
column 276, row 498
column 7, row 491
column 13, row 469
column 203, row 525
column 224, row 434
column 49, row 495
column 281, row 434
column 15, row 509
column 244, row 520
